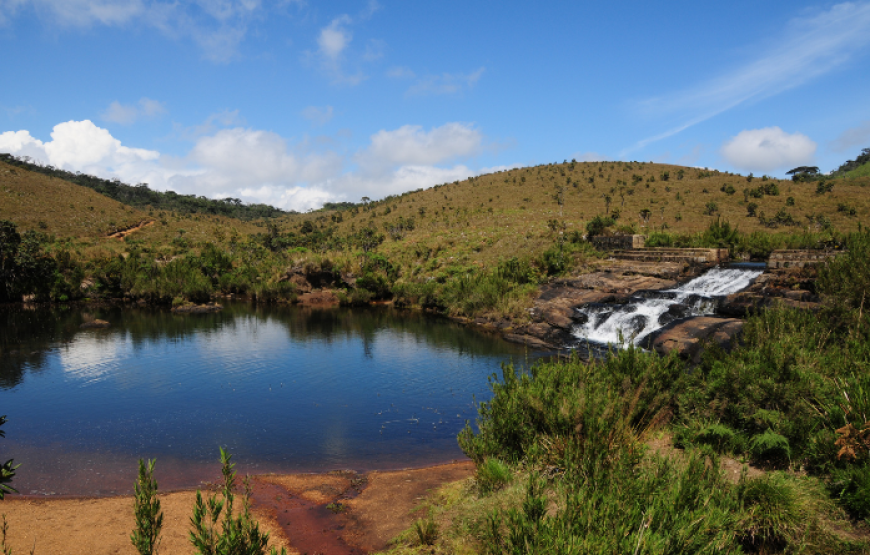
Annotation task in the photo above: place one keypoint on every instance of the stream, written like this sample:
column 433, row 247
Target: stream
column 602, row 325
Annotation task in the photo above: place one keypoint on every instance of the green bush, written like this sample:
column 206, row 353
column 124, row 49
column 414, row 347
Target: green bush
column 492, row 475
column 770, row 449
column 851, row 486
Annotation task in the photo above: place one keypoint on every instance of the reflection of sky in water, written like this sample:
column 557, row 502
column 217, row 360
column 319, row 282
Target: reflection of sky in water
column 360, row 389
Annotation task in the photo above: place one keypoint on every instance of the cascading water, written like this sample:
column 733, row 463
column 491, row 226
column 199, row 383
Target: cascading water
column 621, row 324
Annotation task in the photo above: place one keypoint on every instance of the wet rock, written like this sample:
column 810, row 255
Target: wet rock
column 95, row 324
column 675, row 312
column 208, row 308
column 690, row 337
column 559, row 317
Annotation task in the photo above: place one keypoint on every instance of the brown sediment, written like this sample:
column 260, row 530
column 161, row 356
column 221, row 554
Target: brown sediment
column 368, row 510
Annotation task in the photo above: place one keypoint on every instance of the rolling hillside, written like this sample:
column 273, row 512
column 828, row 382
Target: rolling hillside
column 43, row 203
column 34, row 201
column 481, row 220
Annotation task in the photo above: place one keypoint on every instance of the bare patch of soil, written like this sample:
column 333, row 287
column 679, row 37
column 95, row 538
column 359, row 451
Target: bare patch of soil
column 98, row 526
column 386, row 506
column 367, row 511
column 125, row 232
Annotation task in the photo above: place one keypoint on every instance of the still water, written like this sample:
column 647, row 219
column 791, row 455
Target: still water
column 285, row 389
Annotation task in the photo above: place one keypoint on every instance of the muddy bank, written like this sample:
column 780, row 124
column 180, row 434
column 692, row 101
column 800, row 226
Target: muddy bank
column 336, row 513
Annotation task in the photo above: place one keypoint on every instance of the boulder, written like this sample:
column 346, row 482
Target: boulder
column 688, row 338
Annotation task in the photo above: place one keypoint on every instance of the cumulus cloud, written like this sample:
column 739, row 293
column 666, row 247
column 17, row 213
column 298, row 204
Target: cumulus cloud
column 446, row 83
column 768, row 149
column 854, row 137
column 125, row 114
column 261, row 166
column 78, row 145
column 317, row 115
column 411, row 145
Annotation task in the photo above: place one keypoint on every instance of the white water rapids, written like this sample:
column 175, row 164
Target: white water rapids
column 621, row 324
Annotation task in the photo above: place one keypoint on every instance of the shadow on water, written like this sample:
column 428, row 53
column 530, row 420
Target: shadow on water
column 286, row 389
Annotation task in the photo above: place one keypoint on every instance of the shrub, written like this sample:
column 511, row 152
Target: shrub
column 770, row 449
column 238, row 534
column 427, row 531
column 598, row 225
column 751, row 209
column 851, row 486
column 777, row 514
column 711, row 208
column 846, row 278
column 146, row 510
column 492, row 475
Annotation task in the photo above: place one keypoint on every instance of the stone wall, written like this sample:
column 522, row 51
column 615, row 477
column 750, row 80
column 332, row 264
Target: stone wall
column 617, row 242
column 704, row 257
column 782, row 259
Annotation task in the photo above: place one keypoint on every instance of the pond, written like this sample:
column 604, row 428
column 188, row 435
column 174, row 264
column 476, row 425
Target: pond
column 285, row 389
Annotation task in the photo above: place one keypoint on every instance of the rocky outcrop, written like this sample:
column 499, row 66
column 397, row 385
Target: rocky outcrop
column 208, row 308
column 689, row 337
column 793, row 287
column 554, row 314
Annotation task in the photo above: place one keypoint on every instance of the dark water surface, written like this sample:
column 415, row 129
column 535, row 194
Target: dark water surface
column 286, row 389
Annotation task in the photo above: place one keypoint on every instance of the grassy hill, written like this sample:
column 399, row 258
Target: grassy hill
column 52, row 205
column 38, row 202
column 481, row 220
column 142, row 197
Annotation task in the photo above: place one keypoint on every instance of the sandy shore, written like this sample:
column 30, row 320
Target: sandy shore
column 376, row 506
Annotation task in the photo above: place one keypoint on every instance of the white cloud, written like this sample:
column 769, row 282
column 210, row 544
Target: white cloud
column 334, row 38
column 261, row 166
column 588, row 157
column 446, row 83
column 78, row 145
column 854, row 137
column 216, row 26
column 126, row 114
column 410, row 145
column 768, row 149
column 809, row 48
column 318, row 115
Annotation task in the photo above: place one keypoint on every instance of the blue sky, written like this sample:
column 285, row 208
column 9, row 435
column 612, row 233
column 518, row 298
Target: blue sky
column 296, row 103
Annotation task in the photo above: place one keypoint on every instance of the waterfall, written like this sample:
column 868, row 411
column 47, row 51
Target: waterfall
column 647, row 311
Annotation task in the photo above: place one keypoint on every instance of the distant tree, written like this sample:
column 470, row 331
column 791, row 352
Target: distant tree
column 644, row 215
column 803, row 173
column 751, row 209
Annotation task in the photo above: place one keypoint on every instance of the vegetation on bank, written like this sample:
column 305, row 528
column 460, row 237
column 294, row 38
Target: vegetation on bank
column 573, row 457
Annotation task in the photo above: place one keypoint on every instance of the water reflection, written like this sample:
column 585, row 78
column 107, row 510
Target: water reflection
column 286, row 389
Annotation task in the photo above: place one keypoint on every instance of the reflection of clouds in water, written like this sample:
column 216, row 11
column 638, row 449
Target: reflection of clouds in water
column 92, row 358
column 246, row 341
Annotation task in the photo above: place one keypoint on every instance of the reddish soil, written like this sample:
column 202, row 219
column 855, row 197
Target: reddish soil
column 371, row 509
